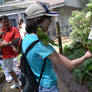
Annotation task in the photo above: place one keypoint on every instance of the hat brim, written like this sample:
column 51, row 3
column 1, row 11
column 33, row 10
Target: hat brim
column 53, row 13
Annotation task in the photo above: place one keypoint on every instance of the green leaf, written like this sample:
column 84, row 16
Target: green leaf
column 89, row 5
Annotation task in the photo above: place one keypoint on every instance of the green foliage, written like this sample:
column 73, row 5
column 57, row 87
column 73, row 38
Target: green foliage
column 76, row 50
column 90, row 1
column 81, row 25
column 90, row 87
column 0, row 68
column 81, row 76
column 67, row 49
column 88, row 7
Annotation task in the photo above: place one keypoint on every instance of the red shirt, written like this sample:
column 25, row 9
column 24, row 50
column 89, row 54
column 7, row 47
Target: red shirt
column 7, row 52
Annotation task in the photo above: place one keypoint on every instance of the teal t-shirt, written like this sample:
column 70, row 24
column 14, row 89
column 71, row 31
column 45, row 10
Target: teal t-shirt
column 36, row 57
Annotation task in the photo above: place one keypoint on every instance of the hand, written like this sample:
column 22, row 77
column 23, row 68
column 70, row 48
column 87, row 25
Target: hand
column 88, row 54
column 3, row 43
column 0, row 42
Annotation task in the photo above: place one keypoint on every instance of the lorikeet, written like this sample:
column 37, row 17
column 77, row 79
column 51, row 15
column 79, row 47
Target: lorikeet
column 44, row 37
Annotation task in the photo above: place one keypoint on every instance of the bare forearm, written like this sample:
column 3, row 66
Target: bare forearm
column 71, row 64
column 62, row 60
column 76, row 62
column 59, row 59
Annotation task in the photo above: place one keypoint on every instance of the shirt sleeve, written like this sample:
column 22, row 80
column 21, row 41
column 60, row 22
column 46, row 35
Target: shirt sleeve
column 44, row 51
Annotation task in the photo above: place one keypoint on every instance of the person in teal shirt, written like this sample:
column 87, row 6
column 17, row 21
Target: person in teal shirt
column 36, row 58
column 39, row 17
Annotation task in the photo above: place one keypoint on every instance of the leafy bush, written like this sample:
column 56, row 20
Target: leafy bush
column 67, row 49
column 80, row 74
column 81, row 25
column 74, row 51
column 90, row 87
column 90, row 1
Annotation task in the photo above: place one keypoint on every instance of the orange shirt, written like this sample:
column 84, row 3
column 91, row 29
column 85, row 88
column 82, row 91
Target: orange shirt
column 7, row 52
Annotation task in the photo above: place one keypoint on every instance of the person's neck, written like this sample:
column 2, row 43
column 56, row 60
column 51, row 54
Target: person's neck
column 32, row 33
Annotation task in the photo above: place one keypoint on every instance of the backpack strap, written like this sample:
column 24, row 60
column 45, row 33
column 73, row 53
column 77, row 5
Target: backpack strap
column 42, row 70
column 31, row 46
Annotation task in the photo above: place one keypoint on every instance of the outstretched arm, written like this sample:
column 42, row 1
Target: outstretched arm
column 70, row 64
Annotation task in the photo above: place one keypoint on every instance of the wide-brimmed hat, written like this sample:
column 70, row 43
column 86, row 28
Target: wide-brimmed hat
column 38, row 9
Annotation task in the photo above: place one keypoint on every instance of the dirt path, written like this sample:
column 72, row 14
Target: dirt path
column 69, row 82
column 5, row 87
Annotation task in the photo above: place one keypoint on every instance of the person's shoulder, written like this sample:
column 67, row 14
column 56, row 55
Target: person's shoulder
column 14, row 28
column 31, row 37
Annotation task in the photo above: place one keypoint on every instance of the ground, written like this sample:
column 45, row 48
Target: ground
column 5, row 87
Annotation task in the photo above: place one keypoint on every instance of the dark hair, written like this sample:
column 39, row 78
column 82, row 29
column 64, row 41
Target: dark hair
column 4, row 18
column 31, row 25
column 20, row 21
